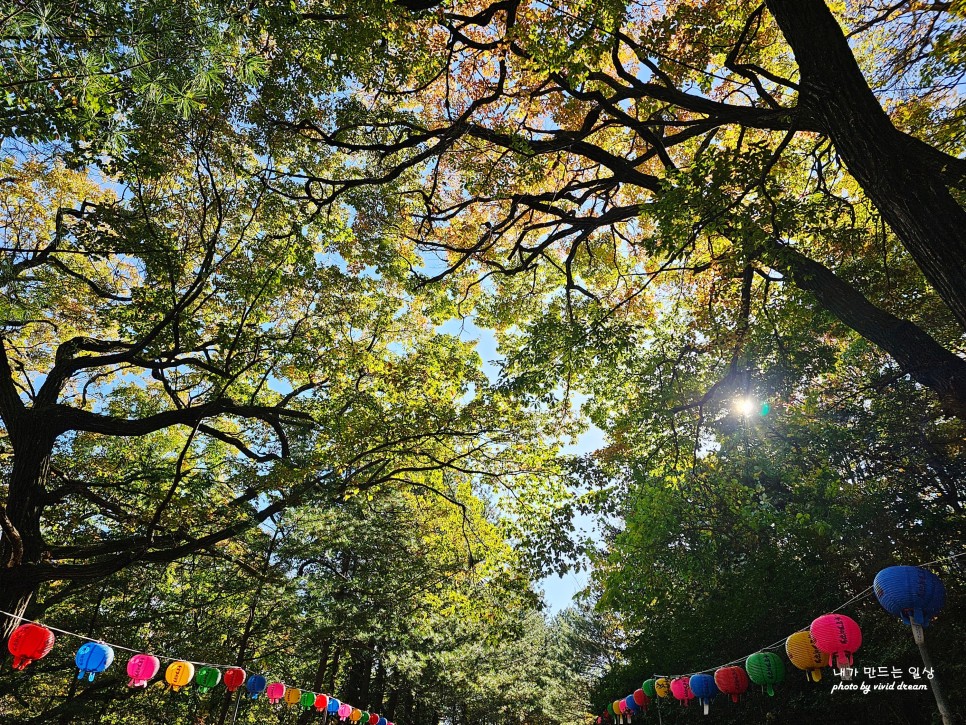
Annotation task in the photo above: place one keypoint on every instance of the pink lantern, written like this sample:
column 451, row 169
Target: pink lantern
column 622, row 706
column 275, row 692
column 344, row 711
column 837, row 635
column 681, row 689
column 141, row 668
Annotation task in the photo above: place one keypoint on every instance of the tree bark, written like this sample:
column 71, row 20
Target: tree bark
column 891, row 166
column 916, row 352
column 23, row 541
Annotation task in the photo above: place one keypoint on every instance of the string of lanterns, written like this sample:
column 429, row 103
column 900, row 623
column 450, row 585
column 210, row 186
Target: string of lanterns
column 32, row 641
column 912, row 593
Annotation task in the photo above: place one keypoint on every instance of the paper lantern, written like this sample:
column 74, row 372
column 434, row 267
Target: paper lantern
column 333, row 706
column 307, row 700
column 381, row 721
column 704, row 689
column 649, row 689
column 838, row 636
column 92, row 658
column 373, row 719
column 801, row 650
column 620, row 706
column 142, row 668
column 179, row 674
column 641, row 698
column 911, row 593
column 631, row 705
column 344, row 711
column 355, row 715
column 681, row 689
column 275, row 692
column 662, row 687
column 207, row 677
column 321, row 703
column 363, row 717
column 28, row 643
column 293, row 696
column 765, row 669
column 732, row 681
column 234, row 678
column 256, row 685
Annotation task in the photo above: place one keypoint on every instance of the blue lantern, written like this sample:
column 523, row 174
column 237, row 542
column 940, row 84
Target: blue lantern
column 256, row 685
column 911, row 593
column 382, row 721
column 704, row 688
column 631, row 705
column 92, row 658
column 333, row 706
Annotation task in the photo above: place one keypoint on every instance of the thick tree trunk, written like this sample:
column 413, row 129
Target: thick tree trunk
column 889, row 165
column 23, row 542
column 916, row 352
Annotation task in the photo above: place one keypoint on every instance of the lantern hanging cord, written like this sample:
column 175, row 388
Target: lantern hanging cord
column 864, row 594
column 134, row 651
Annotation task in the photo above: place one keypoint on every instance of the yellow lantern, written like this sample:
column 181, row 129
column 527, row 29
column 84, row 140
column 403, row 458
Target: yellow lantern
column 355, row 715
column 179, row 674
column 292, row 696
column 662, row 687
column 803, row 653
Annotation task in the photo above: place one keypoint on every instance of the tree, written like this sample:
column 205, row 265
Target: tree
column 251, row 370
column 397, row 601
column 614, row 144
column 774, row 520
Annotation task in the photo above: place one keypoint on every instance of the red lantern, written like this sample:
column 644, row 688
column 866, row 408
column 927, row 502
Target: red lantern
column 641, row 698
column 373, row 719
column 321, row 702
column 681, row 689
column 234, row 678
column 732, row 681
column 29, row 642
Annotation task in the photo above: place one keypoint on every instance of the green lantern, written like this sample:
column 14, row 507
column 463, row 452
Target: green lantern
column 206, row 678
column 766, row 669
column 648, row 688
column 307, row 700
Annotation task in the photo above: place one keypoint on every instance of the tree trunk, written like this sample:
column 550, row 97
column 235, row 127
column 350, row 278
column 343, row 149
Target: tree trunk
column 24, row 545
column 320, row 672
column 916, row 352
column 890, row 165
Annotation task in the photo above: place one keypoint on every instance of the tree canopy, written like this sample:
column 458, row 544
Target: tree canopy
column 238, row 240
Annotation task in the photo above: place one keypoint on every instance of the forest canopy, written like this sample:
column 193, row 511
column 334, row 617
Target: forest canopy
column 254, row 254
